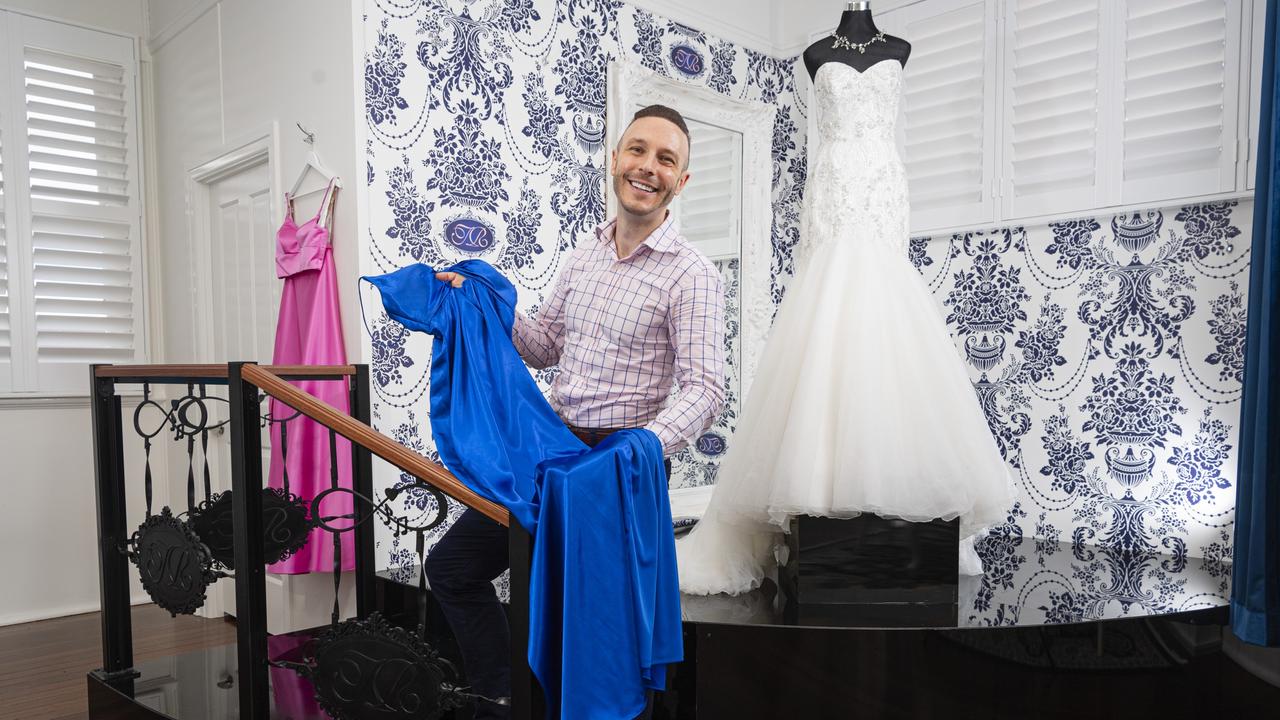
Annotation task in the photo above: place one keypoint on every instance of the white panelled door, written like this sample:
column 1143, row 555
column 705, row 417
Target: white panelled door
column 244, row 305
column 243, row 302
column 246, row 291
column 6, row 211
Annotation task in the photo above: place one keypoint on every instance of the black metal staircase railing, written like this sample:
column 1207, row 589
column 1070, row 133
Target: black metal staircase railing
column 181, row 559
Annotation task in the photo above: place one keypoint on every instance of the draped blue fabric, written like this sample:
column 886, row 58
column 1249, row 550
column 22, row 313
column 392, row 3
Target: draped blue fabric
column 604, row 591
column 1255, row 588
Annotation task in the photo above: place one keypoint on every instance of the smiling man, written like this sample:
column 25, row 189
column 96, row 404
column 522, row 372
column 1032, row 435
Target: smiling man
column 635, row 311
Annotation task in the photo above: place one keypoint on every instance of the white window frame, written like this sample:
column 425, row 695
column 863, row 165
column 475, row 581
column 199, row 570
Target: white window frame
column 1253, row 26
column 25, row 377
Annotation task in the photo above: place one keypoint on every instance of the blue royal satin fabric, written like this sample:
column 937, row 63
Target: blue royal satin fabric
column 604, row 590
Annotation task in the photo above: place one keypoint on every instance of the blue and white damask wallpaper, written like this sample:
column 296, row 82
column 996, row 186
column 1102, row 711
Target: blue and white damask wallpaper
column 486, row 131
column 1107, row 352
column 1108, row 355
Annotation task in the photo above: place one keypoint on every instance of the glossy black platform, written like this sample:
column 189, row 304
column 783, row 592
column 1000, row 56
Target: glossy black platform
column 1051, row 630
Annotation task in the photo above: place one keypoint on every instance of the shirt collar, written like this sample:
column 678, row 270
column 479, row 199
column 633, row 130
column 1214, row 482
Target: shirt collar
column 663, row 238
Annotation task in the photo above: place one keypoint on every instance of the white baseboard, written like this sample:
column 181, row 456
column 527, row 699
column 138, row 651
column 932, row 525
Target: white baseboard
column 65, row 611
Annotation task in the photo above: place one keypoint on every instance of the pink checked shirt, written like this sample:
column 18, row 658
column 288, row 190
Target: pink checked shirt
column 623, row 330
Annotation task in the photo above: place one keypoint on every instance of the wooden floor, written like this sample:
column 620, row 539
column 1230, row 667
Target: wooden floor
column 43, row 664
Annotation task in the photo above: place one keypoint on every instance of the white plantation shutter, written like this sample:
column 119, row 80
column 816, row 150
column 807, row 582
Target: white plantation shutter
column 710, row 207
column 78, row 285
column 1051, row 158
column 948, row 110
column 83, row 273
column 1179, row 83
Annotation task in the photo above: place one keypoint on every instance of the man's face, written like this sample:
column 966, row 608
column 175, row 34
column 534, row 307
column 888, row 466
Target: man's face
column 649, row 166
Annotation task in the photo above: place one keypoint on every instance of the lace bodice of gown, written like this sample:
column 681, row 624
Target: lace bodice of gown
column 856, row 189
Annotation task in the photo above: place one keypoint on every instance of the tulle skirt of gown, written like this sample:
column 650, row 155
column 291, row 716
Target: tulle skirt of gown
column 860, row 403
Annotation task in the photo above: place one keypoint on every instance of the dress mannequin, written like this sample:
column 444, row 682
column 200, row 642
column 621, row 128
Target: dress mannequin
column 852, row 410
column 857, row 28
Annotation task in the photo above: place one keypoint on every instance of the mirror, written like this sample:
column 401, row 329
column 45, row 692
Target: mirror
column 710, row 208
column 726, row 212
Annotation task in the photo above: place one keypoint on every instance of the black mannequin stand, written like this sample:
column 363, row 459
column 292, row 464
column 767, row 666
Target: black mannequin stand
column 856, row 27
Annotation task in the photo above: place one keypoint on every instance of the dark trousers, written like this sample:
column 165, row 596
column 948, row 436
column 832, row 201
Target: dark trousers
column 461, row 568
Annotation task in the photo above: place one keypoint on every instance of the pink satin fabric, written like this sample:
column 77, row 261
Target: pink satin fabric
column 309, row 332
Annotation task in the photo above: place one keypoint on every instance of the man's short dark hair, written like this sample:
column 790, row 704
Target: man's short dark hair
column 666, row 113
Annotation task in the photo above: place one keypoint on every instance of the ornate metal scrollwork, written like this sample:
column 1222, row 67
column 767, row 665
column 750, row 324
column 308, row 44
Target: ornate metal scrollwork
column 183, row 552
column 285, row 520
column 364, row 669
column 175, row 565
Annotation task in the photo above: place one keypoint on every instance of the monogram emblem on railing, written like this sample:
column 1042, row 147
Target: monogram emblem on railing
column 285, row 525
column 175, row 566
column 372, row 669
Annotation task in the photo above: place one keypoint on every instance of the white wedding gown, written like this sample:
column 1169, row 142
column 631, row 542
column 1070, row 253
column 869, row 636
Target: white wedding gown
column 860, row 402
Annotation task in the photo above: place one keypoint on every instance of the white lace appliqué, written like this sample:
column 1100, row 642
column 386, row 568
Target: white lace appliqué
column 857, row 185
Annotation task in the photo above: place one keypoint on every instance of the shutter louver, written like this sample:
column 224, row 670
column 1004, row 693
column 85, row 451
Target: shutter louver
column 709, row 205
column 83, row 278
column 947, row 116
column 1051, row 116
column 1177, row 59
column 76, row 132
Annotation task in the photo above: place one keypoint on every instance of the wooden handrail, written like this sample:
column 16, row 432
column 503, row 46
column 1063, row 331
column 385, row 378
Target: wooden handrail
column 216, row 371
column 145, row 371
column 372, row 440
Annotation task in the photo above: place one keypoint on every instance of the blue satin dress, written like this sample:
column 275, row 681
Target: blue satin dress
column 604, row 590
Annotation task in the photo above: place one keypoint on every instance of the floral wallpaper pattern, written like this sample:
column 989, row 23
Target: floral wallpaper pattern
column 1106, row 352
column 486, row 131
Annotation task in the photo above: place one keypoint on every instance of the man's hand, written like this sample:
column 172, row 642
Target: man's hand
column 454, row 279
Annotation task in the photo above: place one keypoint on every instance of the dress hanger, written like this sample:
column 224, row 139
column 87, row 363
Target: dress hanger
column 313, row 164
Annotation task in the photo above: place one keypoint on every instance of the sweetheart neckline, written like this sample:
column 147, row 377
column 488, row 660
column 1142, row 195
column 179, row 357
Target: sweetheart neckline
column 855, row 70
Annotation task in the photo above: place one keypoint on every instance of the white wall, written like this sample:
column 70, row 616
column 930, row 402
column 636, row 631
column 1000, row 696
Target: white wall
column 223, row 72
column 48, row 529
column 218, row 72
column 48, row 535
